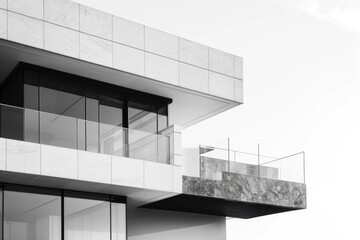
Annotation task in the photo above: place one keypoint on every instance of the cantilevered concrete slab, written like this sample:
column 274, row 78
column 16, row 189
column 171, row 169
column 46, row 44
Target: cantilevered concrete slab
column 70, row 37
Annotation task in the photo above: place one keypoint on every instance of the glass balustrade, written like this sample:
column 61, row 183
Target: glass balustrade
column 63, row 131
column 215, row 160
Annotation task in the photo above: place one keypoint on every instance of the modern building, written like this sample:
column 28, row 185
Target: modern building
column 92, row 109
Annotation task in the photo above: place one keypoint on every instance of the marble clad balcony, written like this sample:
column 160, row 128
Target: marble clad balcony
column 242, row 185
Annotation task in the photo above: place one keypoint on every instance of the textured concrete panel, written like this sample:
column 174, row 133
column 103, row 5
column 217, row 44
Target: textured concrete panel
column 96, row 50
column 221, row 85
column 25, row 30
column 2, row 154
column 161, row 43
column 128, row 59
column 31, row 8
column 3, row 24
column 162, row 69
column 128, row 33
column 221, row 62
column 193, row 53
column 177, row 179
column 239, row 91
column 158, row 176
column 59, row 162
column 127, row 172
column 3, row 4
column 61, row 40
column 239, row 67
column 22, row 157
column 194, row 78
column 62, row 12
column 94, row 167
column 95, row 22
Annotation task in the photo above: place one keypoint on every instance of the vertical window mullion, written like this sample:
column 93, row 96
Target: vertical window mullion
column 62, row 216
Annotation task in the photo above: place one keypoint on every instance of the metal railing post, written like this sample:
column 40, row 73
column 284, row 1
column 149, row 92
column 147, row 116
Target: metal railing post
column 228, row 154
column 304, row 166
column 200, row 161
column 258, row 160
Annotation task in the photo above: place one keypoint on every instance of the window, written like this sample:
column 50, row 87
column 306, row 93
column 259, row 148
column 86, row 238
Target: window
column 74, row 112
column 86, row 219
column 32, row 213
column 31, row 216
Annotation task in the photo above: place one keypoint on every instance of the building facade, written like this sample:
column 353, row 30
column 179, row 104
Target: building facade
column 91, row 112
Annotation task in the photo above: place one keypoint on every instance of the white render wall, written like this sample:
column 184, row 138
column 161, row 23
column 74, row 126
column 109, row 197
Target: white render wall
column 45, row 160
column 80, row 32
column 149, row 224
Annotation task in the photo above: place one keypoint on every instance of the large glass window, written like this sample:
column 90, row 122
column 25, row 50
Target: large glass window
column 31, row 216
column 32, row 213
column 95, row 219
column 73, row 112
column 62, row 117
column 86, row 219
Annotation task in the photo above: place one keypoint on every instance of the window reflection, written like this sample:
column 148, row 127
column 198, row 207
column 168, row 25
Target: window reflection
column 29, row 216
column 69, row 111
column 86, row 219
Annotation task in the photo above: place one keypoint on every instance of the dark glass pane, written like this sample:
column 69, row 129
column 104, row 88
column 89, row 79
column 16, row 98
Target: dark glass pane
column 62, row 103
column 162, row 118
column 111, row 115
column 142, row 114
column 111, row 130
column 92, row 126
column 12, row 122
column 92, row 109
column 142, row 120
column 12, row 89
column 29, row 216
column 61, row 119
column 31, row 97
column 62, row 83
column 31, row 77
column 86, row 219
column 31, row 101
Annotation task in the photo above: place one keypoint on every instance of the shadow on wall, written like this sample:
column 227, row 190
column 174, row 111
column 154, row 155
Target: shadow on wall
column 147, row 224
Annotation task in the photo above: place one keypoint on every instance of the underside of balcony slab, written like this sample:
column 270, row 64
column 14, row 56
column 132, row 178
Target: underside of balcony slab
column 236, row 195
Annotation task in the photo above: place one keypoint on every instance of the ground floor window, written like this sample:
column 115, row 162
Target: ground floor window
column 30, row 213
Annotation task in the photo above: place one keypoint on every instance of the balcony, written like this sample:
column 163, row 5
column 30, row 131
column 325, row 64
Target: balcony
column 62, row 131
column 240, row 184
column 49, row 150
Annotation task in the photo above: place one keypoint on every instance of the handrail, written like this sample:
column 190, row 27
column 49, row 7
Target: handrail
column 225, row 149
column 282, row 158
column 295, row 173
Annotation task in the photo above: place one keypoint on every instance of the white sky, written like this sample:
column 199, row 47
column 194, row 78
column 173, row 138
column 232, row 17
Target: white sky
column 302, row 92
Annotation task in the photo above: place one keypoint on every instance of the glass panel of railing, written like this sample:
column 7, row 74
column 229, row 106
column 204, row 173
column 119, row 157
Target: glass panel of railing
column 148, row 146
column 62, row 131
column 12, row 119
column 112, row 139
column 289, row 168
column 244, row 163
column 31, row 125
column 213, row 162
column 58, row 130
